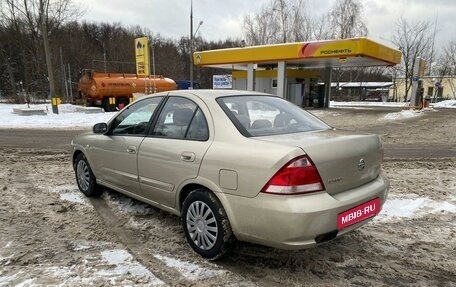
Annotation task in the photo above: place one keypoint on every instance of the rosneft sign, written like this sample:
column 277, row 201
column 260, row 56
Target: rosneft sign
column 335, row 52
column 328, row 49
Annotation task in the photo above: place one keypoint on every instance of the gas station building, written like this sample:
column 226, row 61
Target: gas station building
column 295, row 71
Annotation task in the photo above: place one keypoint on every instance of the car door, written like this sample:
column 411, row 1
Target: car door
column 116, row 152
column 173, row 151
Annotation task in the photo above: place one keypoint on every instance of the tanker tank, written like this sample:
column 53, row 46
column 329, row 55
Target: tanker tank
column 115, row 90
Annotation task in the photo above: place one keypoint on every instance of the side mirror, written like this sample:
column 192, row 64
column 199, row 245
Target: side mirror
column 100, row 128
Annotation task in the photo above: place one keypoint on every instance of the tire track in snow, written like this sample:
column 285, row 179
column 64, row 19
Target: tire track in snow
column 133, row 245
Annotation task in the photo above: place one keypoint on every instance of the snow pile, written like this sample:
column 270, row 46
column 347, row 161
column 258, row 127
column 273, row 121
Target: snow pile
column 413, row 207
column 445, row 104
column 189, row 270
column 68, row 117
column 127, row 205
column 5, row 280
column 405, row 114
column 74, row 197
column 70, row 193
column 334, row 104
column 123, row 264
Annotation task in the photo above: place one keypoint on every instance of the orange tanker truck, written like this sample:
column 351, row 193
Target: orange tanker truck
column 115, row 90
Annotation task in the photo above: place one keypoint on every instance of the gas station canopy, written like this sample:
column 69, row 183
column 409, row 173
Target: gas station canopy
column 356, row 52
column 281, row 58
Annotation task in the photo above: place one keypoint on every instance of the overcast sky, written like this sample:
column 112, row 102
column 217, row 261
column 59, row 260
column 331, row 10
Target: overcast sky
column 222, row 19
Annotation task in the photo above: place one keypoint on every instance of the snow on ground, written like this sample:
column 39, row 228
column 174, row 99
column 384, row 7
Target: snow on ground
column 124, row 264
column 442, row 104
column 445, row 104
column 118, row 268
column 413, row 206
column 405, row 114
column 70, row 193
column 126, row 205
column 334, row 104
column 189, row 270
column 68, row 117
column 74, row 197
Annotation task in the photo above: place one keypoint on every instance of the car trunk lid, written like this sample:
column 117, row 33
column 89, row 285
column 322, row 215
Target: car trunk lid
column 344, row 159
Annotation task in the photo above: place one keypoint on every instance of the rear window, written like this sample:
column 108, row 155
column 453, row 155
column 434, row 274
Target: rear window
column 268, row 115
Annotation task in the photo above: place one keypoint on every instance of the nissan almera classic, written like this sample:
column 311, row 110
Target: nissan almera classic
column 236, row 165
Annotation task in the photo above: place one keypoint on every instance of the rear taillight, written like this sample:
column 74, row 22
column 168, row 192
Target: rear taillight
column 298, row 176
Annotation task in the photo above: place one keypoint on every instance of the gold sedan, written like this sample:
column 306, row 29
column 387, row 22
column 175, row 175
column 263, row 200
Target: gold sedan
column 236, row 165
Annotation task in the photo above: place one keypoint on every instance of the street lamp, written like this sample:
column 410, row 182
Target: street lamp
column 192, row 35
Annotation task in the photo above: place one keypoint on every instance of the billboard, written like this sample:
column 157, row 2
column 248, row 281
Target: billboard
column 142, row 56
column 222, row 82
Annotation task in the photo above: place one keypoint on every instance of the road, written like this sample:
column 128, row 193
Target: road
column 39, row 139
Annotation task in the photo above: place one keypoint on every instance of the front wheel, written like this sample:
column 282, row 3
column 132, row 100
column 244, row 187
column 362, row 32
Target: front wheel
column 206, row 225
column 85, row 178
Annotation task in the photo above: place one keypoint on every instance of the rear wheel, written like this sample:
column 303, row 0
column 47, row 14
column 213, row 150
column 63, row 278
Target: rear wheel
column 85, row 178
column 205, row 224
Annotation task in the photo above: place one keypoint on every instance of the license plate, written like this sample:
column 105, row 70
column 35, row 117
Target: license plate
column 359, row 213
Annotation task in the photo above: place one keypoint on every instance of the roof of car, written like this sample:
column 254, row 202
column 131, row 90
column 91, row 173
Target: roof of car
column 211, row 94
column 207, row 94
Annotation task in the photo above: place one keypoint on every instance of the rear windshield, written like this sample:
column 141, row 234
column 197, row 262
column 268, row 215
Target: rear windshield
column 268, row 115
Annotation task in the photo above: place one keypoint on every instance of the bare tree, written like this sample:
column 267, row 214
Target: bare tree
column 38, row 19
column 321, row 27
column 84, row 46
column 301, row 22
column 347, row 19
column 414, row 40
column 279, row 22
column 446, row 65
column 288, row 20
column 260, row 28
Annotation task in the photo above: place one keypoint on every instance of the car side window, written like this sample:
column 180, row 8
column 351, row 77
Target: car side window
column 198, row 129
column 181, row 119
column 135, row 119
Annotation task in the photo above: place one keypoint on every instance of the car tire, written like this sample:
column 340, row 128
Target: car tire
column 85, row 178
column 206, row 225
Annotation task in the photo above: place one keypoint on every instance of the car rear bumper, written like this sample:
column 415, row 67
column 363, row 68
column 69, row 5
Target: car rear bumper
column 294, row 222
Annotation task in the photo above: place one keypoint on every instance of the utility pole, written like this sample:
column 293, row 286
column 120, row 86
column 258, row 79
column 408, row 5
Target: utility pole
column 432, row 48
column 11, row 77
column 151, row 45
column 53, row 96
column 63, row 75
column 192, row 36
column 69, row 83
column 104, row 59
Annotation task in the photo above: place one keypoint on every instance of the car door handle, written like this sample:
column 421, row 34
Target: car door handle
column 188, row 156
column 131, row 149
